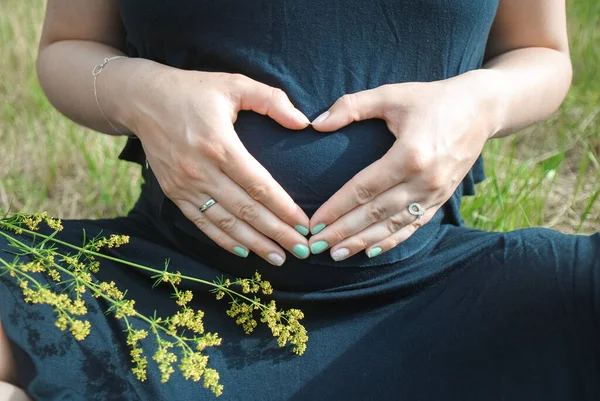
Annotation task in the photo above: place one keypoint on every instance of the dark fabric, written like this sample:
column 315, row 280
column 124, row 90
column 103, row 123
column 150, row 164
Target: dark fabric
column 451, row 314
column 477, row 316
column 316, row 51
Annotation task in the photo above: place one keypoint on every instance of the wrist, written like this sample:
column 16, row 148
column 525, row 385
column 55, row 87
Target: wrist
column 121, row 84
column 486, row 90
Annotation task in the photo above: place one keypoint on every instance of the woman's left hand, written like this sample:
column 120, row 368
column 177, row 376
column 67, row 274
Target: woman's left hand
column 440, row 127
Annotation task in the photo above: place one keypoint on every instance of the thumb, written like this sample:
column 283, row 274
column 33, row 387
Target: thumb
column 352, row 107
column 267, row 100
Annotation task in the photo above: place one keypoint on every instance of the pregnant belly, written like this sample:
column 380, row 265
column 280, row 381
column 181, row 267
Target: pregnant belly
column 310, row 165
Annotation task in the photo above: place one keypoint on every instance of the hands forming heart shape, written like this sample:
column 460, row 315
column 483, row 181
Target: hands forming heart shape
column 192, row 148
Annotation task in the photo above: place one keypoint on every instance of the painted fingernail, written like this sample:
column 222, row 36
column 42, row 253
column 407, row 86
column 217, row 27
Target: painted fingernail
column 321, row 118
column 240, row 251
column 318, row 228
column 275, row 258
column 340, row 254
column 300, row 116
column 301, row 251
column 374, row 252
column 319, row 247
column 301, row 229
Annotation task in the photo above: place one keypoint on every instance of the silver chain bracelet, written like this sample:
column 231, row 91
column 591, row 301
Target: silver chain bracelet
column 95, row 72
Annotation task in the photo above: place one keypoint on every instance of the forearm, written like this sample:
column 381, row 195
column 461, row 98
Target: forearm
column 520, row 87
column 65, row 73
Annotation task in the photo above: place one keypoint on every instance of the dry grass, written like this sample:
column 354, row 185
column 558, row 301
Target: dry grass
column 547, row 176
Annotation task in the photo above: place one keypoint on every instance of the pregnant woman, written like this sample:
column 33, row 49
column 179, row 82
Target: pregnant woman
column 326, row 145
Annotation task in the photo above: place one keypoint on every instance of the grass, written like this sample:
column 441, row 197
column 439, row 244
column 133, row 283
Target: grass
column 547, row 175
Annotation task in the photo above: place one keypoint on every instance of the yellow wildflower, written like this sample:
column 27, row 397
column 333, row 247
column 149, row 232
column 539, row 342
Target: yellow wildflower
column 80, row 329
column 184, row 297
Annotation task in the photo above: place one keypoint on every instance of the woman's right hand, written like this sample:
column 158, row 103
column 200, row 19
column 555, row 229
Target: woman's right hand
column 184, row 120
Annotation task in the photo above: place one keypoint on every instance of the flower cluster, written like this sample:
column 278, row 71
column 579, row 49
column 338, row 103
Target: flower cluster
column 284, row 325
column 139, row 361
column 292, row 330
column 114, row 241
column 32, row 221
column 178, row 338
column 65, row 307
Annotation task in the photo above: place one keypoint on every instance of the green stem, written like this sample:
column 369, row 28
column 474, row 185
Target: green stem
column 150, row 322
column 33, row 280
column 92, row 286
column 142, row 267
column 22, row 273
column 132, row 264
column 93, row 253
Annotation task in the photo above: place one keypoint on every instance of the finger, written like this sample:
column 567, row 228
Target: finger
column 239, row 203
column 351, row 107
column 365, row 186
column 242, row 232
column 207, row 227
column 260, row 185
column 382, row 237
column 386, row 205
column 267, row 100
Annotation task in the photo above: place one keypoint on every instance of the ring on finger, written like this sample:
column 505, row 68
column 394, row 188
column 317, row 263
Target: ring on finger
column 207, row 205
column 416, row 210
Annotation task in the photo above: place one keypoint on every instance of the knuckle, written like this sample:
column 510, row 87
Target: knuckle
column 222, row 240
column 330, row 215
column 417, row 224
column 289, row 213
column 227, row 224
column 200, row 221
column 392, row 243
column 396, row 173
column 394, row 224
column 337, row 234
column 375, row 213
column 249, row 212
column 363, row 243
column 417, row 161
column 236, row 79
column 277, row 95
column 434, row 182
column 214, row 150
column 363, row 193
column 188, row 169
column 256, row 244
column 279, row 236
column 348, row 100
column 258, row 191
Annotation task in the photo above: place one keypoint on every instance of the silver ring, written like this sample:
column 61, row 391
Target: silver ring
column 206, row 205
column 419, row 212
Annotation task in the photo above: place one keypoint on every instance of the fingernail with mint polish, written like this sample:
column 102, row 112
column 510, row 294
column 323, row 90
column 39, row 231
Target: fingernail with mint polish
column 318, row 228
column 374, row 252
column 240, row 251
column 340, row 254
column 301, row 229
column 318, row 247
column 301, row 251
column 321, row 118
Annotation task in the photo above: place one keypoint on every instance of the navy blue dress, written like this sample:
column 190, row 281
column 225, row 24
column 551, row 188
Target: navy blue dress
column 451, row 314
